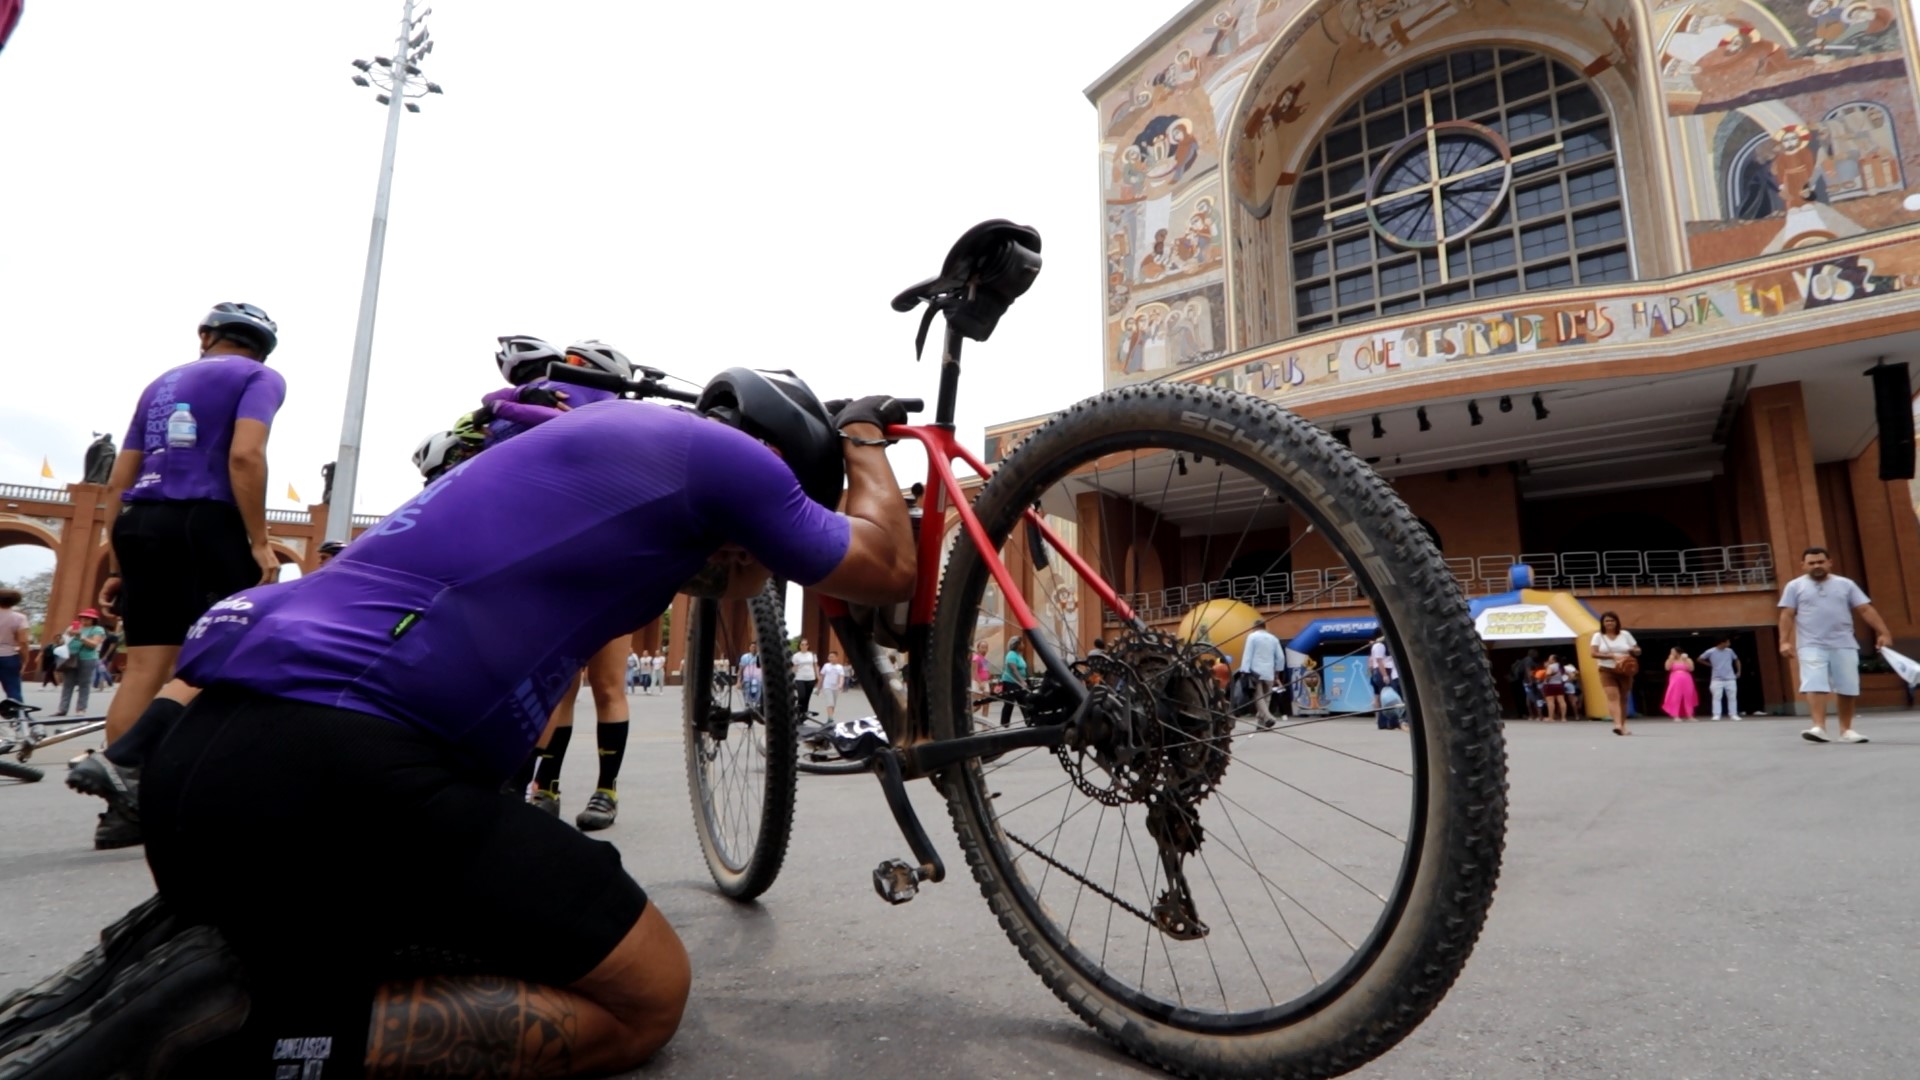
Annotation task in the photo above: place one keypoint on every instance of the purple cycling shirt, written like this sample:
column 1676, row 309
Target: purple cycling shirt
column 511, row 417
column 219, row 390
column 466, row 612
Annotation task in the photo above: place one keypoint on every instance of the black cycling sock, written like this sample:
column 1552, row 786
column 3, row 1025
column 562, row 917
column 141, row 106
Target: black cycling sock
column 130, row 750
column 613, row 750
column 546, row 762
column 522, row 776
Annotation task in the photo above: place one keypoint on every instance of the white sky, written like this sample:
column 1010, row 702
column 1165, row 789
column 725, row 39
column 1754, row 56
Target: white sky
column 699, row 185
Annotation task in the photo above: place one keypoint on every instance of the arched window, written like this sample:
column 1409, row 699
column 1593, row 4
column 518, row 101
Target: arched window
column 1528, row 194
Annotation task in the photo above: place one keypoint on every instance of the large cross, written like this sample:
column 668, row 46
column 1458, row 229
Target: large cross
column 1436, row 184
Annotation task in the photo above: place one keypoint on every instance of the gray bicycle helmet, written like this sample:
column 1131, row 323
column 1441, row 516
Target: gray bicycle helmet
column 600, row 356
column 777, row 408
column 244, row 324
column 523, row 358
column 432, row 455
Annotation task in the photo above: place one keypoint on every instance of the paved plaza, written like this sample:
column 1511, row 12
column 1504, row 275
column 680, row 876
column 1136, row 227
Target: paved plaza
column 1697, row 901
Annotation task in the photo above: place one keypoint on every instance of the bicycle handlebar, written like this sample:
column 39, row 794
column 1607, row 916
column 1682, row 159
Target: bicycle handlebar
column 648, row 386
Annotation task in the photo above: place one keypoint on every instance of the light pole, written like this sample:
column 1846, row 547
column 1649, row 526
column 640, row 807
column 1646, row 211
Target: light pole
column 398, row 81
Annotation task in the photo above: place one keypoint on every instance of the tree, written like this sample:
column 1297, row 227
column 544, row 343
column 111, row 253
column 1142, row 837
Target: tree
column 36, row 591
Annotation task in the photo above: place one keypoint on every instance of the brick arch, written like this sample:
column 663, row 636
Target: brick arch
column 13, row 533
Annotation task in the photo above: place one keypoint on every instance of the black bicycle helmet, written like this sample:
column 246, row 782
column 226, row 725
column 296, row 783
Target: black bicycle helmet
column 779, row 409
column 523, row 358
column 245, row 324
column 332, row 547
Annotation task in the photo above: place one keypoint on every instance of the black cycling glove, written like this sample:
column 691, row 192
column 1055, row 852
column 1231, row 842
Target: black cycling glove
column 538, row 395
column 879, row 410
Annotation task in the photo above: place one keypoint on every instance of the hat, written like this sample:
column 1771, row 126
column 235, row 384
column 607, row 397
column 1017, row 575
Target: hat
column 89, row 613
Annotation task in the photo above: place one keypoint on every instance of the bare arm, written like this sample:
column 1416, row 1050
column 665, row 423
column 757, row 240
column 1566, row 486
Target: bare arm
column 1882, row 636
column 1786, row 631
column 247, row 468
column 126, row 470
column 878, row 567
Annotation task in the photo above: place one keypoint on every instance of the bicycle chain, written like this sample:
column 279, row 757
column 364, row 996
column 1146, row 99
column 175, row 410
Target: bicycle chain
column 1118, row 901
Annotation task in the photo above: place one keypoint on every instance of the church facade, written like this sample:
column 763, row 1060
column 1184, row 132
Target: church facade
column 1594, row 282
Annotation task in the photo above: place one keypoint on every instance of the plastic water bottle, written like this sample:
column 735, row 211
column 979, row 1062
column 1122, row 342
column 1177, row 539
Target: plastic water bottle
column 182, row 429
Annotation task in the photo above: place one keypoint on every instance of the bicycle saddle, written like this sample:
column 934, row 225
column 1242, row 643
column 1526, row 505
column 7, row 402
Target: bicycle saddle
column 989, row 267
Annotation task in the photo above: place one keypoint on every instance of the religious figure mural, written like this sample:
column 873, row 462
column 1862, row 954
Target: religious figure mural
column 1792, row 121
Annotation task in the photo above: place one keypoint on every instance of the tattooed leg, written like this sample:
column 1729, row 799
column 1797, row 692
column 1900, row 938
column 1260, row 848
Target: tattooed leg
column 487, row 1028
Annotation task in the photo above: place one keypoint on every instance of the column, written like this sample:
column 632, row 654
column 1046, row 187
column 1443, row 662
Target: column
column 1782, row 500
column 1889, row 538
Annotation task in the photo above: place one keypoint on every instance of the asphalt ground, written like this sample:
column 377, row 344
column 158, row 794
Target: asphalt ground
column 1709, row 900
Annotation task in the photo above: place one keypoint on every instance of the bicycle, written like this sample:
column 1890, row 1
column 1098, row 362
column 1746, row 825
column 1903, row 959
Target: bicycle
column 1364, row 902
column 28, row 735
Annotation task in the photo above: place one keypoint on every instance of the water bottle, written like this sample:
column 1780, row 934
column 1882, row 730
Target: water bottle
column 182, row 429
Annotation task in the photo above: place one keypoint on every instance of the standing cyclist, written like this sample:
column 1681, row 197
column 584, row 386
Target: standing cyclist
column 414, row 675
column 192, row 473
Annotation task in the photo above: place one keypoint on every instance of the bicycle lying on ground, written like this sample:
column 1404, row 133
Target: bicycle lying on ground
column 1216, row 898
column 21, row 735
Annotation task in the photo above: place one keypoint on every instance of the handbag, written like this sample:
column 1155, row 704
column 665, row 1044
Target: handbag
column 1628, row 666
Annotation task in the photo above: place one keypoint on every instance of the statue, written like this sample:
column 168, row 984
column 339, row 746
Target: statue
column 100, row 457
column 326, row 481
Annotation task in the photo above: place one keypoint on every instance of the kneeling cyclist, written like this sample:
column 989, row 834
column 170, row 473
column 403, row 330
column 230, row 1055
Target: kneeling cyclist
column 330, row 805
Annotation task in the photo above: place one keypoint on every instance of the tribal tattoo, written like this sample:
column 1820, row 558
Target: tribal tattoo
column 482, row 1027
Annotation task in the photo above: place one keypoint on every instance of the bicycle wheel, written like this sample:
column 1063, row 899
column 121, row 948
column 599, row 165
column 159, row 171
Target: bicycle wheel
column 740, row 753
column 23, row 773
column 1216, row 894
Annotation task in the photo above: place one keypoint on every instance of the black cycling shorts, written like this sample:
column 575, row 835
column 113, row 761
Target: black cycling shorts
column 177, row 559
column 337, row 849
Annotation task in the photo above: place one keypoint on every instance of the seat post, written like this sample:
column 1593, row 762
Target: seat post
column 949, row 377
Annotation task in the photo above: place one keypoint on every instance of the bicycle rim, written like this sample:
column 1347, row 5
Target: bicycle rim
column 1220, row 896
column 740, row 747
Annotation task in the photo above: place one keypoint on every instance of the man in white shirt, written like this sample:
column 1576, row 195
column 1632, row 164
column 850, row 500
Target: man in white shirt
column 806, row 674
column 659, row 672
column 1381, row 670
column 833, row 679
column 633, row 671
column 1261, row 655
column 1816, row 624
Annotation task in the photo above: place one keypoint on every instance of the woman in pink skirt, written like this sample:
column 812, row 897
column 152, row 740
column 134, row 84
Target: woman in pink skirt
column 1683, row 698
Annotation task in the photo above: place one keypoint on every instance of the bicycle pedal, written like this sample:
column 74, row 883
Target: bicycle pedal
column 897, row 881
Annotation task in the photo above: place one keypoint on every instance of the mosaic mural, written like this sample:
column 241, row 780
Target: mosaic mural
column 1163, row 131
column 1731, row 301
column 1792, row 122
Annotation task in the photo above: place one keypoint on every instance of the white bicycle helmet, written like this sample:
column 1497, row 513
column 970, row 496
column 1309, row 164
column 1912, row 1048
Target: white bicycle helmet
column 431, row 456
column 600, row 356
column 523, row 358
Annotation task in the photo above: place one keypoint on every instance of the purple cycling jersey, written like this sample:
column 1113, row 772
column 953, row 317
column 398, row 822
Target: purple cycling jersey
column 511, row 417
column 218, row 390
column 466, row 612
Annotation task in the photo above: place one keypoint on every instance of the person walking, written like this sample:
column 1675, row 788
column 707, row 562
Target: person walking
column 192, row 475
column 1381, row 670
column 1683, row 698
column 14, row 648
column 83, row 659
column 634, row 678
column 1261, row 655
column 1723, row 683
column 659, row 673
column 1013, row 681
column 50, row 663
column 1524, row 684
column 982, row 674
column 1553, row 690
column 833, row 679
column 1618, row 655
column 806, row 673
column 1816, row 627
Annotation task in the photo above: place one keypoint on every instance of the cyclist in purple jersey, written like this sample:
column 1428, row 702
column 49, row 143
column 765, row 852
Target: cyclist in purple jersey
column 605, row 670
column 193, row 528
column 529, row 400
column 412, row 676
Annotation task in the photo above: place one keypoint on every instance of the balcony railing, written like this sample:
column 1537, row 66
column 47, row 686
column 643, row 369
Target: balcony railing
column 1741, row 568
column 36, row 494
column 301, row 517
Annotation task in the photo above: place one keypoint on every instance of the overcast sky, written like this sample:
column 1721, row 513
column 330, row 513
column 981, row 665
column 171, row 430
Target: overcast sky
column 699, row 185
